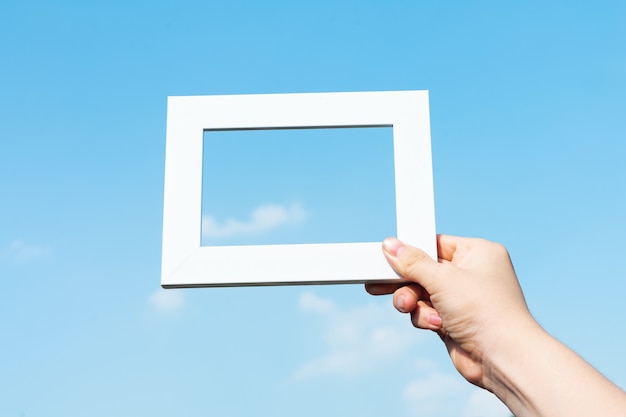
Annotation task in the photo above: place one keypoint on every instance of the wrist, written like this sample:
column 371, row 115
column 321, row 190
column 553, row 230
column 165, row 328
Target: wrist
column 508, row 363
column 536, row 375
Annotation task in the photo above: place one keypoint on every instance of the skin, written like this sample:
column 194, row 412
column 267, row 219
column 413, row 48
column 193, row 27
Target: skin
column 471, row 297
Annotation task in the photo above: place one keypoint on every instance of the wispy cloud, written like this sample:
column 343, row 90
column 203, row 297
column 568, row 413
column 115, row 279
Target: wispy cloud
column 482, row 403
column 23, row 251
column 436, row 394
column 311, row 302
column 358, row 340
column 368, row 338
column 442, row 394
column 167, row 301
column 262, row 219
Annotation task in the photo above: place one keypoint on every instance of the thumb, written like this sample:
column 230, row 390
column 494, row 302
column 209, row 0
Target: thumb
column 411, row 263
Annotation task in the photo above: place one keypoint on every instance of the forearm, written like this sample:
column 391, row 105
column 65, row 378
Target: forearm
column 536, row 375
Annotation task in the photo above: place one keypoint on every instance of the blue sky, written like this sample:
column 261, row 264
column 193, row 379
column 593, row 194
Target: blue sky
column 298, row 186
column 527, row 118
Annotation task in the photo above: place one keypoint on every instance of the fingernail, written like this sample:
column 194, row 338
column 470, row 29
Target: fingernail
column 400, row 303
column 434, row 320
column 393, row 246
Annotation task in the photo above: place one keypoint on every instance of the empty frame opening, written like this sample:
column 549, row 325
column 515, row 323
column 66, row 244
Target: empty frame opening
column 298, row 186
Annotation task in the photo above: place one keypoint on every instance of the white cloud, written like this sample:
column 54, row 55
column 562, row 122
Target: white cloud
column 368, row 338
column 423, row 366
column 437, row 394
column 442, row 395
column 482, row 403
column 358, row 340
column 26, row 251
column 262, row 219
column 167, row 301
column 311, row 302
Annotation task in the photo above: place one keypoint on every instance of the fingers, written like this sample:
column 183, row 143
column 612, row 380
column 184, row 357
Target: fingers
column 447, row 246
column 411, row 263
column 405, row 295
column 415, row 265
column 415, row 300
column 424, row 316
column 410, row 298
column 405, row 299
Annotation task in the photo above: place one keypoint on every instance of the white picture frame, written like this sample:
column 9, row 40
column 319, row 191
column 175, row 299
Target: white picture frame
column 186, row 263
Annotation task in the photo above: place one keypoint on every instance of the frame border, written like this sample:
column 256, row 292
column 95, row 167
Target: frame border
column 185, row 263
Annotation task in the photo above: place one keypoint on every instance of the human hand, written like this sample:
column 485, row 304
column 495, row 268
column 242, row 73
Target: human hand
column 470, row 297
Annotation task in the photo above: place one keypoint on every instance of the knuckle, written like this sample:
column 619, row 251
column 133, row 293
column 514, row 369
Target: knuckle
column 496, row 248
column 500, row 249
